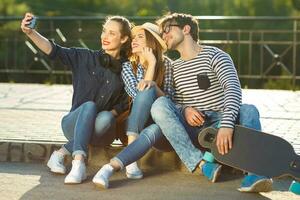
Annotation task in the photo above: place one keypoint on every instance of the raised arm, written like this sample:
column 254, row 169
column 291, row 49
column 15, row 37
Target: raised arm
column 40, row 41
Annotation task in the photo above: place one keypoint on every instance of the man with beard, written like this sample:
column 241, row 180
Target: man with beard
column 207, row 93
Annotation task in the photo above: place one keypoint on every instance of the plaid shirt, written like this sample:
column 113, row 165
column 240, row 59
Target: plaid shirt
column 131, row 80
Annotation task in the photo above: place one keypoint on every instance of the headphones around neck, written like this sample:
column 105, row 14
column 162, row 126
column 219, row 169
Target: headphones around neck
column 110, row 63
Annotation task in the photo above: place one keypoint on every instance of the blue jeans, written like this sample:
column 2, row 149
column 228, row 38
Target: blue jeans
column 138, row 118
column 183, row 137
column 139, row 147
column 84, row 126
column 140, row 111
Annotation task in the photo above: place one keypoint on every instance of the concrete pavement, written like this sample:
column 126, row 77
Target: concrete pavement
column 28, row 111
column 29, row 181
column 37, row 110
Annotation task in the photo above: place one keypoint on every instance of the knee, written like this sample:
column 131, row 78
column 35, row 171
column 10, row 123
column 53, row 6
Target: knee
column 145, row 95
column 159, row 108
column 249, row 117
column 67, row 131
column 104, row 121
column 152, row 133
column 249, row 111
column 89, row 107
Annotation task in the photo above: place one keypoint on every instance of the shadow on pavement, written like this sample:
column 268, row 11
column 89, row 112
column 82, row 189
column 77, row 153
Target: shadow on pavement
column 28, row 181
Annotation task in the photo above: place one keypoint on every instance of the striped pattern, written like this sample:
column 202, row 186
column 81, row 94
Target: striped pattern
column 224, row 93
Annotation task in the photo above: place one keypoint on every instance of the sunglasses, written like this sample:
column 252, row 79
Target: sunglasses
column 167, row 28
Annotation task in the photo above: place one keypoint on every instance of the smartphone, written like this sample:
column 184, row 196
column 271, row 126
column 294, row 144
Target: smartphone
column 32, row 23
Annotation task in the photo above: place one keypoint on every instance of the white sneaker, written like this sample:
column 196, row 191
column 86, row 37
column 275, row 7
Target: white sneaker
column 56, row 163
column 133, row 171
column 77, row 173
column 101, row 179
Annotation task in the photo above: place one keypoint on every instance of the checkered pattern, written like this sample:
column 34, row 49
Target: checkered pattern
column 131, row 79
column 168, row 79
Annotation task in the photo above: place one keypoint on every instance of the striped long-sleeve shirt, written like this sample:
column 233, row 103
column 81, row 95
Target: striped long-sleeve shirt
column 131, row 79
column 224, row 91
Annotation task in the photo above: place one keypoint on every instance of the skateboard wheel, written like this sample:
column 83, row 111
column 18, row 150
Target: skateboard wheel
column 208, row 157
column 206, row 137
column 295, row 187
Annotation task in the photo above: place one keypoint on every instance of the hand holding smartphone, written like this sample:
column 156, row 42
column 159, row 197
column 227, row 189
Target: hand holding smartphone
column 32, row 23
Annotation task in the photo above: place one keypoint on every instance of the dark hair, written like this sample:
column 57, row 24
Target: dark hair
column 126, row 26
column 181, row 19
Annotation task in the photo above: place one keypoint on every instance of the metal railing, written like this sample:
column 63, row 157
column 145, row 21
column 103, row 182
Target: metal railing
column 262, row 48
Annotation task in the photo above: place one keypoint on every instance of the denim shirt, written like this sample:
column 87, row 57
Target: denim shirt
column 92, row 81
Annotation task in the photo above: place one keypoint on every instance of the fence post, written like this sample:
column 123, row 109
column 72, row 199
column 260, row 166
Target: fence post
column 295, row 24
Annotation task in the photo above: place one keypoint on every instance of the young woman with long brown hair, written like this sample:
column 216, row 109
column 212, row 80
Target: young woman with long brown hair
column 98, row 92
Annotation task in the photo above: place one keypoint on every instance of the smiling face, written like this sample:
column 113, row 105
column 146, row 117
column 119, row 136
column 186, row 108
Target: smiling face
column 111, row 39
column 138, row 41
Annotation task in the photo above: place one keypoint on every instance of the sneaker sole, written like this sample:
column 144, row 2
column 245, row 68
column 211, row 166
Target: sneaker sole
column 217, row 174
column 131, row 176
column 259, row 186
column 75, row 183
column 55, row 171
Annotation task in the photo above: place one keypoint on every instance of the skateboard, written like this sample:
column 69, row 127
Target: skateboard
column 256, row 152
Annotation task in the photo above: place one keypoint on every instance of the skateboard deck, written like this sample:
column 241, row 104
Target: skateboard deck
column 256, row 152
